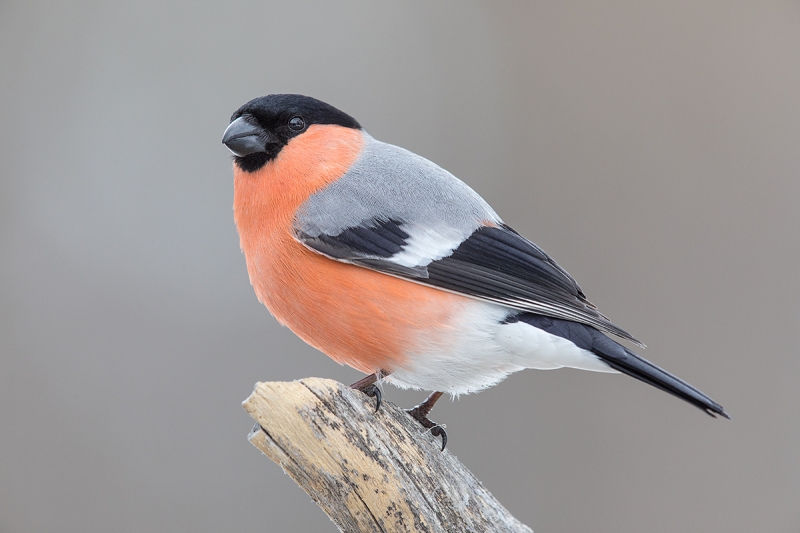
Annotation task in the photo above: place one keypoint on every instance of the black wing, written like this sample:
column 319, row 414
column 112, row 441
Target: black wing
column 494, row 264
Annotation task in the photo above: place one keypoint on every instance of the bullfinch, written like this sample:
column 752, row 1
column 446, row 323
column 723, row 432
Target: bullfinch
column 388, row 263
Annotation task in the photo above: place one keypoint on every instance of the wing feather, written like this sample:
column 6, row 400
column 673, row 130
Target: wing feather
column 494, row 264
column 400, row 214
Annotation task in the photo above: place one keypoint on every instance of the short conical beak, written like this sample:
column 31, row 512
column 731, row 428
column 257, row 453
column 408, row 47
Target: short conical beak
column 243, row 137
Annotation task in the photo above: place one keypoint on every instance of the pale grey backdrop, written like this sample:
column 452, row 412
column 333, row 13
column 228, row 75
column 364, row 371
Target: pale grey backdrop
column 653, row 148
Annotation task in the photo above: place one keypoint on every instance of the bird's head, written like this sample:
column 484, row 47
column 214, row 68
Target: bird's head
column 262, row 127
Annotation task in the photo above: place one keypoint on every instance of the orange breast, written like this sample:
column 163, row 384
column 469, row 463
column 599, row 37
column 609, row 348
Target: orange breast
column 356, row 316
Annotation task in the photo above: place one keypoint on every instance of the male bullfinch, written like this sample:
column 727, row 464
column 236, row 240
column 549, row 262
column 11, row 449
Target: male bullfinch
column 388, row 263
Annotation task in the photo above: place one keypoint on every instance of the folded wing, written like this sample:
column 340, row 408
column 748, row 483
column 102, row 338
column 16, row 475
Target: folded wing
column 400, row 214
column 494, row 264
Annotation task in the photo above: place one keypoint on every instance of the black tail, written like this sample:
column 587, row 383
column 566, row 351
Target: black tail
column 620, row 358
column 644, row 370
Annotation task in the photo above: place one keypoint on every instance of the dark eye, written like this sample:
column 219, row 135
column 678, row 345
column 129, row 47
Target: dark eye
column 296, row 123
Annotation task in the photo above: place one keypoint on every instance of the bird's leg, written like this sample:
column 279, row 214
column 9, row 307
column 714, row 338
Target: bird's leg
column 420, row 414
column 368, row 387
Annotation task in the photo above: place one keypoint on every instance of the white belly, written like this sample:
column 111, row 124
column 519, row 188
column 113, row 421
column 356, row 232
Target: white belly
column 477, row 351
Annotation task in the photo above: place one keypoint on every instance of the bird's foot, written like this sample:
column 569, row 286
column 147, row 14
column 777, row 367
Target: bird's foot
column 374, row 392
column 436, row 429
column 368, row 387
column 420, row 414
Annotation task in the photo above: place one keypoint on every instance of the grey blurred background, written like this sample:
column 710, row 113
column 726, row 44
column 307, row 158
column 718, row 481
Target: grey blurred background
column 653, row 148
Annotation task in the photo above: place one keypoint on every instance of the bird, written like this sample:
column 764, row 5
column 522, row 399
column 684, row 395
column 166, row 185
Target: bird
column 389, row 264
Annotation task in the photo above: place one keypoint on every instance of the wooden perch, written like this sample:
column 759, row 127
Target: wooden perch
column 369, row 471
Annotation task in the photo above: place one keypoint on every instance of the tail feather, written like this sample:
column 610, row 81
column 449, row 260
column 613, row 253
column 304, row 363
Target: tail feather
column 645, row 371
column 621, row 359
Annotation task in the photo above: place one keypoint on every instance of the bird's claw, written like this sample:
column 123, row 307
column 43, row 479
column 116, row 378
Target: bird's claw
column 438, row 431
column 368, row 387
column 374, row 392
column 420, row 415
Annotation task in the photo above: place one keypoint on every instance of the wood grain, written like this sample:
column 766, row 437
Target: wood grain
column 369, row 472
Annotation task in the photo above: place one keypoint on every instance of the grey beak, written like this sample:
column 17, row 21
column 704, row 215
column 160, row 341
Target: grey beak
column 244, row 138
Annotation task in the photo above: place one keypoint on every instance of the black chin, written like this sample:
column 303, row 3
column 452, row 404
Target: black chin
column 253, row 162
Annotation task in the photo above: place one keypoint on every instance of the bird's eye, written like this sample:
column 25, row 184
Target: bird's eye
column 296, row 123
